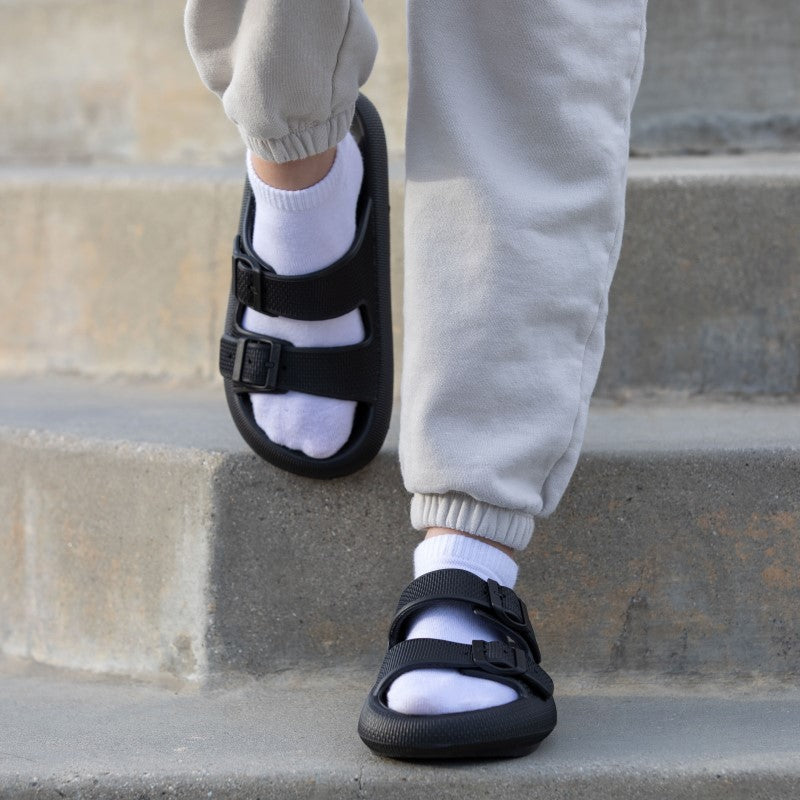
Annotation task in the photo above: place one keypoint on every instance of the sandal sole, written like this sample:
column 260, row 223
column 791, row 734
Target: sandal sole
column 512, row 730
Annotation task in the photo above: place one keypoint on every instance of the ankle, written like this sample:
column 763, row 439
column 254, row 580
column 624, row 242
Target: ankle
column 452, row 550
column 294, row 175
column 433, row 532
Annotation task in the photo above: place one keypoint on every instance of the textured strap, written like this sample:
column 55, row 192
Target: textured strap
column 499, row 603
column 324, row 294
column 257, row 363
column 506, row 663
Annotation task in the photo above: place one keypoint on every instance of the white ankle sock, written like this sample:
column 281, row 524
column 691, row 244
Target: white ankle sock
column 442, row 691
column 297, row 232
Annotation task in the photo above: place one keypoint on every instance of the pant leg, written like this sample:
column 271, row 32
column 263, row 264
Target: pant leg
column 517, row 150
column 288, row 73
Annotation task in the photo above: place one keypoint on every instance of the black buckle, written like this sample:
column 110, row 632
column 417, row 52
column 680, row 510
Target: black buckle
column 271, row 378
column 499, row 658
column 499, row 597
column 255, row 278
column 516, row 618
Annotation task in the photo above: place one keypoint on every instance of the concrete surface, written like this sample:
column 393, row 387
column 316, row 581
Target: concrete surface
column 105, row 549
column 294, row 736
column 129, row 268
column 145, row 539
column 706, row 298
column 719, row 75
column 93, row 81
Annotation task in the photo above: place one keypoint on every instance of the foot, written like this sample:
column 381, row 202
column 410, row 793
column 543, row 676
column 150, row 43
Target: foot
column 297, row 232
column 441, row 691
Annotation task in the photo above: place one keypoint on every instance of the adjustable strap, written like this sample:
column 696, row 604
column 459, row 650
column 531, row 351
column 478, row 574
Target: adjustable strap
column 498, row 603
column 507, row 663
column 256, row 363
column 325, row 294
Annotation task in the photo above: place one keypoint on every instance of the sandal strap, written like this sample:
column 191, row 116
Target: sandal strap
column 491, row 600
column 325, row 294
column 500, row 661
column 261, row 364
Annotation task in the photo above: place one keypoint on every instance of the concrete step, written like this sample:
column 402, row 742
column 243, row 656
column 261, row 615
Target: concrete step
column 719, row 75
column 294, row 736
column 127, row 271
column 140, row 537
column 89, row 80
column 165, row 232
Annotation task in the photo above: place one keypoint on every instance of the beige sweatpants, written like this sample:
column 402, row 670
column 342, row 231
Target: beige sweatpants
column 516, row 162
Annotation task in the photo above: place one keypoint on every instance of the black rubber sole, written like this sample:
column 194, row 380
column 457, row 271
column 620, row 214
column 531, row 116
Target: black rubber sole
column 372, row 419
column 507, row 731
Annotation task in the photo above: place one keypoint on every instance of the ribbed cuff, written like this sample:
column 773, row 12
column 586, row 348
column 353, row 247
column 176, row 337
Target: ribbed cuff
column 451, row 551
column 460, row 512
column 301, row 144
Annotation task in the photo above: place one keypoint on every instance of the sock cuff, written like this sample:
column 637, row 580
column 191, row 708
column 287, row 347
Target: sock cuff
column 313, row 196
column 453, row 551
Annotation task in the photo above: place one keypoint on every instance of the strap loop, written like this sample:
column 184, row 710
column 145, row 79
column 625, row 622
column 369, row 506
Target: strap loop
column 248, row 278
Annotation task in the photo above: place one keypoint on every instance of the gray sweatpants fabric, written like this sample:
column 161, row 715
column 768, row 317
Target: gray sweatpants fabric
column 516, row 164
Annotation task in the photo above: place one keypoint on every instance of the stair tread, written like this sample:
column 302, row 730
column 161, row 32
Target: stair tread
column 703, row 166
column 704, row 299
column 284, row 735
column 186, row 417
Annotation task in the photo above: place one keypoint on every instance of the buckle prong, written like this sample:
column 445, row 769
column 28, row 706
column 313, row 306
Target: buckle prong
column 238, row 360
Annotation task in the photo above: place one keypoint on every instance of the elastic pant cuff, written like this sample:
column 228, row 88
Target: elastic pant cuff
column 303, row 143
column 463, row 513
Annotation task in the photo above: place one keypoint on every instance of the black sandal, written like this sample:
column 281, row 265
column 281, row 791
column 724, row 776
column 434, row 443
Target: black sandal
column 509, row 730
column 252, row 363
